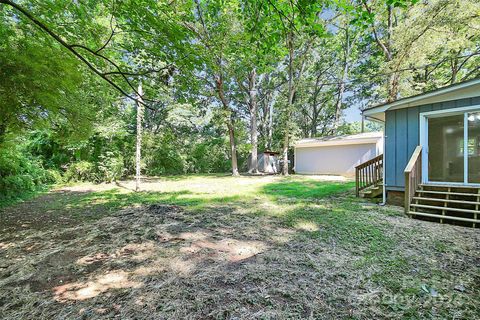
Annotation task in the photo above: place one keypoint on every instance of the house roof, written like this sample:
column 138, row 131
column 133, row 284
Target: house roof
column 466, row 89
column 361, row 138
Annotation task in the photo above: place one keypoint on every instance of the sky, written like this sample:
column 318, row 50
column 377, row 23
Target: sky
column 352, row 114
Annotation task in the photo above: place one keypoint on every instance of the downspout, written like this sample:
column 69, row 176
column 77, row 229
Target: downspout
column 384, row 191
column 384, row 194
column 294, row 168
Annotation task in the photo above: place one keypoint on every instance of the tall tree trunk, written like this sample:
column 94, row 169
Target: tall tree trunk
column 270, row 125
column 313, row 125
column 393, row 87
column 264, row 121
column 230, row 124
column 252, row 104
column 269, row 120
column 454, row 68
column 138, row 154
column 341, row 85
column 286, row 137
column 233, row 147
column 338, row 106
column 393, row 81
column 315, row 110
column 394, row 77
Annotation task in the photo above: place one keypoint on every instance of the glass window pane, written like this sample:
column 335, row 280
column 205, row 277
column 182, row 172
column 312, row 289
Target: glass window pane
column 473, row 147
column 445, row 149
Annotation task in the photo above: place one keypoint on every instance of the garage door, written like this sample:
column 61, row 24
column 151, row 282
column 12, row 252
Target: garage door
column 333, row 159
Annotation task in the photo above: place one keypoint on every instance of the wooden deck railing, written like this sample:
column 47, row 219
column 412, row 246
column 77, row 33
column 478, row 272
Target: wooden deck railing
column 413, row 176
column 368, row 173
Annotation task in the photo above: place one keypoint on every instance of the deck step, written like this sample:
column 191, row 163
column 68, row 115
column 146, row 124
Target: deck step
column 439, row 216
column 372, row 191
column 443, row 208
column 455, row 186
column 447, row 200
column 450, row 193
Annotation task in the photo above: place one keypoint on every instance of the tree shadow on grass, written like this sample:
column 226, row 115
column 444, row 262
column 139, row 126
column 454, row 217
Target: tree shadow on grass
column 181, row 177
column 116, row 199
column 67, row 208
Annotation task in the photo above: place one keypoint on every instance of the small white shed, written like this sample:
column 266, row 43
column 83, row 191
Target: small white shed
column 336, row 155
column 267, row 162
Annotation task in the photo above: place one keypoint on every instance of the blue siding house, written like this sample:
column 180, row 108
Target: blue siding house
column 432, row 141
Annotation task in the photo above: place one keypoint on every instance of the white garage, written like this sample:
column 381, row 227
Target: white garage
column 336, row 155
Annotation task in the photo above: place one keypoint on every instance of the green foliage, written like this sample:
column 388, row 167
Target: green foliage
column 209, row 157
column 38, row 91
column 81, row 171
column 162, row 156
column 110, row 167
column 21, row 173
column 69, row 122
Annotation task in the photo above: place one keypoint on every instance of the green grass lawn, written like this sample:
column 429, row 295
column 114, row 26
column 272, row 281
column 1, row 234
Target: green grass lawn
column 219, row 247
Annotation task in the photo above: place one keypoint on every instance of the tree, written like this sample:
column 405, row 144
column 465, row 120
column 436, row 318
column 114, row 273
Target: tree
column 411, row 47
column 138, row 154
column 297, row 20
column 213, row 26
column 258, row 49
column 41, row 85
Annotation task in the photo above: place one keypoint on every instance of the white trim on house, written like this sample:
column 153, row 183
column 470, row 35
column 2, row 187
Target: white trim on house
column 423, row 118
column 468, row 89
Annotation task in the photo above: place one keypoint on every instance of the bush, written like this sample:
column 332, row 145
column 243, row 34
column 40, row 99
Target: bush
column 80, row 172
column 53, row 176
column 110, row 168
column 20, row 173
column 160, row 156
column 209, row 156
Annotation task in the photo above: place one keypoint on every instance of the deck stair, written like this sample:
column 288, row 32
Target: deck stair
column 373, row 191
column 369, row 178
column 447, row 202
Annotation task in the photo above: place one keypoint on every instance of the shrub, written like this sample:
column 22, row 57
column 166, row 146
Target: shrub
column 161, row 156
column 209, row 156
column 110, row 167
column 53, row 176
column 19, row 172
column 81, row 171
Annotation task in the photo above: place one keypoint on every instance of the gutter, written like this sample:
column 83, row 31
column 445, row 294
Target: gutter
column 414, row 100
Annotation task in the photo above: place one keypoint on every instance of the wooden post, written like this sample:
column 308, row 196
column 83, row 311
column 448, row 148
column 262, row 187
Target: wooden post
column 407, row 192
column 413, row 175
column 445, row 204
column 138, row 154
column 357, row 191
column 475, row 215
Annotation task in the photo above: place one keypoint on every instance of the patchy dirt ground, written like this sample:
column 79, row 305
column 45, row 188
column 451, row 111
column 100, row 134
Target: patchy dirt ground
column 272, row 253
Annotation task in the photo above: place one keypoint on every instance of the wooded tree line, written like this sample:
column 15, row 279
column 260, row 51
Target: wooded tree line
column 221, row 79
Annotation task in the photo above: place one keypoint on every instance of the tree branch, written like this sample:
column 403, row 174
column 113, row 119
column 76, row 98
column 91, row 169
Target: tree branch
column 70, row 48
column 384, row 48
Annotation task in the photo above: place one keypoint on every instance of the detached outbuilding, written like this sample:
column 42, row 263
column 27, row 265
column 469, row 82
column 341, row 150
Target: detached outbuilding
column 336, row 155
column 267, row 162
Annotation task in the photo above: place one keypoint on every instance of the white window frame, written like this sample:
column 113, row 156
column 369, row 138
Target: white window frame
column 424, row 116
